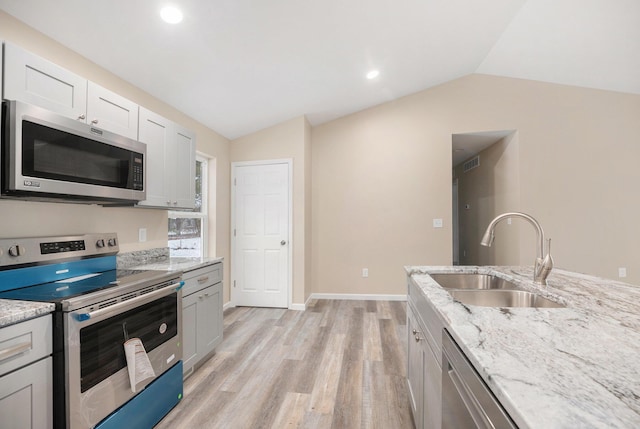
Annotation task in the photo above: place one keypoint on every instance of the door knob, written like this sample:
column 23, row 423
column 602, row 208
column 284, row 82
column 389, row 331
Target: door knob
column 283, row 242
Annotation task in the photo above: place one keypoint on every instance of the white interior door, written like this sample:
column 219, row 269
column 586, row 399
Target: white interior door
column 261, row 223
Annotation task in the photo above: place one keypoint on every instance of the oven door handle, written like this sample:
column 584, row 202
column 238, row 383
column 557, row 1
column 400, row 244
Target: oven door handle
column 167, row 290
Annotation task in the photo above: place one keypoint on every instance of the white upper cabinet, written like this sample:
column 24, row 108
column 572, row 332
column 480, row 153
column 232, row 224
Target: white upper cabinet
column 171, row 149
column 154, row 132
column 170, row 162
column 34, row 80
column 112, row 112
column 185, row 165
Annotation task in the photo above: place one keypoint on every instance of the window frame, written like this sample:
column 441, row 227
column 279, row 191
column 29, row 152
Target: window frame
column 203, row 213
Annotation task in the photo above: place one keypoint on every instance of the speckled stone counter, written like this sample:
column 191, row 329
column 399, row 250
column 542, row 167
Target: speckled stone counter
column 12, row 311
column 179, row 264
column 159, row 259
column 573, row 367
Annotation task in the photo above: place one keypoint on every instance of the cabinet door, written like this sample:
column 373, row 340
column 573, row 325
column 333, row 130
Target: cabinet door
column 209, row 319
column 111, row 112
column 189, row 329
column 155, row 132
column 185, row 169
column 34, row 80
column 415, row 369
column 432, row 389
column 26, row 397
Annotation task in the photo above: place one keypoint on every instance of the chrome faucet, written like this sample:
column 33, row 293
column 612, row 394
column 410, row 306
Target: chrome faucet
column 544, row 263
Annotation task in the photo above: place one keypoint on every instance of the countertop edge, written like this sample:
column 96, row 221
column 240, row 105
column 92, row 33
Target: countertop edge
column 15, row 311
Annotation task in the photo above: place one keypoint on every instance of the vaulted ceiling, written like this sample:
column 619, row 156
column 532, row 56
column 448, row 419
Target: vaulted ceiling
column 239, row 66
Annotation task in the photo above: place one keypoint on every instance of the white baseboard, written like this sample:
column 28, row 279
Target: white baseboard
column 359, row 297
column 348, row 296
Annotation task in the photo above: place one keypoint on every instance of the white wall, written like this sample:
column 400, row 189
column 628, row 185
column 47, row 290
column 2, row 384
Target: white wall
column 381, row 175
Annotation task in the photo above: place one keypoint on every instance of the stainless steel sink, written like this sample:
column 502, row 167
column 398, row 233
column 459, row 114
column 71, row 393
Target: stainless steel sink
column 502, row 298
column 472, row 281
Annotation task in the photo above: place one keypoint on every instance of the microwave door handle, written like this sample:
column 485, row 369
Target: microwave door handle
column 167, row 290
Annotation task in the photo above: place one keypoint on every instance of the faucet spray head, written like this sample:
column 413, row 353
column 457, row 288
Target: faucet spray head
column 487, row 238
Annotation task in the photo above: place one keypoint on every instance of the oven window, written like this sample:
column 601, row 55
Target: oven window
column 102, row 344
column 48, row 153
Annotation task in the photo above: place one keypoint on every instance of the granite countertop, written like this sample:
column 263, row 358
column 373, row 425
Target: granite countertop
column 12, row 312
column 573, row 367
column 178, row 264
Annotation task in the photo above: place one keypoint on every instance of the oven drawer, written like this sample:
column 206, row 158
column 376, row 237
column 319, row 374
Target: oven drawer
column 201, row 278
column 25, row 342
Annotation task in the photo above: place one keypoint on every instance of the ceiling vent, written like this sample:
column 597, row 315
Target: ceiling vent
column 471, row 164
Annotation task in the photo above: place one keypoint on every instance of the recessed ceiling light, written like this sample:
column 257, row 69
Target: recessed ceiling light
column 373, row 74
column 171, row 14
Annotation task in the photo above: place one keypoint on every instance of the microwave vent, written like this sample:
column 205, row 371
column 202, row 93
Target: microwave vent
column 471, row 164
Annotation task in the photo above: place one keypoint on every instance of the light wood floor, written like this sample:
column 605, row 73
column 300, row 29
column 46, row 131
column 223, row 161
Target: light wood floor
column 339, row 364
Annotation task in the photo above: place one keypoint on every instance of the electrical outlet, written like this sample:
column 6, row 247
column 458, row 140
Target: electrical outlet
column 622, row 272
column 437, row 223
column 365, row 272
column 142, row 235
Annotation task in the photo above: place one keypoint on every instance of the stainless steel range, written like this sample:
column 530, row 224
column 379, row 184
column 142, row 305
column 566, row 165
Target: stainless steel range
column 98, row 308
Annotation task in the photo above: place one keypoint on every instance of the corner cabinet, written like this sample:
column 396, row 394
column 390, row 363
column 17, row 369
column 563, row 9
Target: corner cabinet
column 171, row 159
column 201, row 315
column 26, row 375
column 35, row 80
column 424, row 363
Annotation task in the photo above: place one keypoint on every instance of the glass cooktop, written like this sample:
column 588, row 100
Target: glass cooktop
column 60, row 290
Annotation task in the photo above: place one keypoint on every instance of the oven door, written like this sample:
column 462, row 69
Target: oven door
column 50, row 155
column 97, row 381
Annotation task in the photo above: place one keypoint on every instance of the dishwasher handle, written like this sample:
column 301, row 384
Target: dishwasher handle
column 471, row 404
column 466, row 397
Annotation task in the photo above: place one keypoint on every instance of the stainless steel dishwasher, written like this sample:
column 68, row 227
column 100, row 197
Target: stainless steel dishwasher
column 467, row 402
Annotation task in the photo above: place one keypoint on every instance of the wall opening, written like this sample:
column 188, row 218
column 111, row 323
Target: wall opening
column 481, row 193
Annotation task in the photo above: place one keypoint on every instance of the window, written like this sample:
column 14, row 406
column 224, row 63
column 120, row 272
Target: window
column 188, row 229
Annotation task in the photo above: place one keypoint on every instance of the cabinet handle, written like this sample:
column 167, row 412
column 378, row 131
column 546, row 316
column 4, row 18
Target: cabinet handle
column 168, row 203
column 94, row 122
column 415, row 331
column 203, row 279
column 175, row 203
column 418, row 338
column 206, row 294
column 82, row 117
column 15, row 350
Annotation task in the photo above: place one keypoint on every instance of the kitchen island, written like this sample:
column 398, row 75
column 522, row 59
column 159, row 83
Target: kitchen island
column 572, row 367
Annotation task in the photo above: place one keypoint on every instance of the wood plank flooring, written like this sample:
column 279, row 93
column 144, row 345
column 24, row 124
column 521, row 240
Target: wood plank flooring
column 339, row 364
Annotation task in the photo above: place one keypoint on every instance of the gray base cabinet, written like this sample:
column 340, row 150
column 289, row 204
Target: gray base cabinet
column 201, row 315
column 424, row 374
column 26, row 375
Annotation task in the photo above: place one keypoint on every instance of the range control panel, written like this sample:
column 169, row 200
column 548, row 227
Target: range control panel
column 30, row 250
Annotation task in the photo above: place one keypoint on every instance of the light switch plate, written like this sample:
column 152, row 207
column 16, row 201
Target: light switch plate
column 437, row 223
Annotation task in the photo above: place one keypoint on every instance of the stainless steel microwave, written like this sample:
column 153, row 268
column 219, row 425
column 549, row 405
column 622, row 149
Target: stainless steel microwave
column 49, row 157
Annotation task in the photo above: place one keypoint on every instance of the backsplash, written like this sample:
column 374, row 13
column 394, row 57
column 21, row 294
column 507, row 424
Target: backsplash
column 142, row 257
